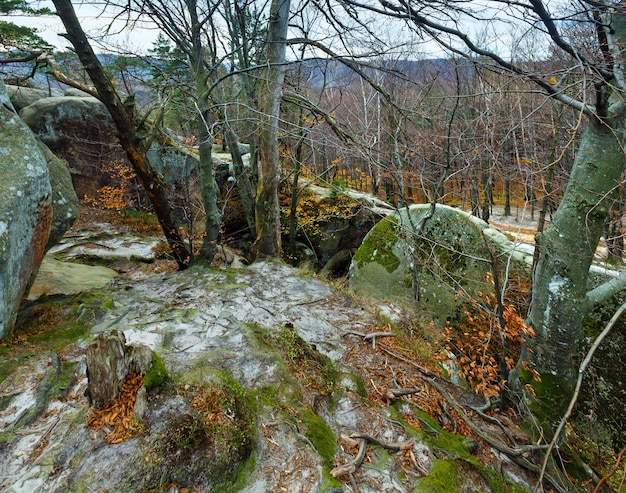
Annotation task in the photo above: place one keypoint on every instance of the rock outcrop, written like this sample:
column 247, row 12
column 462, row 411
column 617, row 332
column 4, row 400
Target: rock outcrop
column 80, row 131
column 65, row 203
column 24, row 96
column 452, row 255
column 25, row 210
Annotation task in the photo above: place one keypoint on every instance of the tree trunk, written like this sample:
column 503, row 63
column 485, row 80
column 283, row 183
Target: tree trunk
column 560, row 300
column 268, row 239
column 245, row 185
column 131, row 143
column 208, row 185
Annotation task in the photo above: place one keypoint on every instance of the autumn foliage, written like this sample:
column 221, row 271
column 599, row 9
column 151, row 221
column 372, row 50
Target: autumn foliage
column 485, row 344
column 116, row 195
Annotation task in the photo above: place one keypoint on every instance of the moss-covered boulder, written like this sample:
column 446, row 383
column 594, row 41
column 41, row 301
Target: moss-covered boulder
column 413, row 257
column 25, row 210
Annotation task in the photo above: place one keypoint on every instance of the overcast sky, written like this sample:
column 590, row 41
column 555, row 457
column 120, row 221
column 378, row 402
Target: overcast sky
column 134, row 41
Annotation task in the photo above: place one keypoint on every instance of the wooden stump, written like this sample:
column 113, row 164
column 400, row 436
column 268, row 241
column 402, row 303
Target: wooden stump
column 109, row 362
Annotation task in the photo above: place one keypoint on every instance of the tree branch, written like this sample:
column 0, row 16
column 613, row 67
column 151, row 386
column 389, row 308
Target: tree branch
column 605, row 291
column 58, row 74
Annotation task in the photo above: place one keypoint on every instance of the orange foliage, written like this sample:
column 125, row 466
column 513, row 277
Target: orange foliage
column 118, row 415
column 482, row 343
column 114, row 197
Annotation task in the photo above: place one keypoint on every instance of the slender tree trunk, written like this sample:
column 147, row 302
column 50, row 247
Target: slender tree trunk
column 268, row 240
column 131, row 143
column 245, row 185
column 209, row 188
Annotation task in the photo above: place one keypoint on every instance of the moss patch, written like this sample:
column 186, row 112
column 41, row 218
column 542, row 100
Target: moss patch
column 442, row 478
column 320, row 435
column 157, row 374
column 208, row 444
column 378, row 245
column 50, row 324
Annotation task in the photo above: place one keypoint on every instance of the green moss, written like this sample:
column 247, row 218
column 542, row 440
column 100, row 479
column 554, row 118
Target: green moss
column 441, row 479
column 6, row 436
column 552, row 396
column 209, row 443
column 378, row 246
column 320, row 435
column 108, row 304
column 294, row 356
column 497, row 483
column 359, row 384
column 330, row 483
column 157, row 374
column 66, row 378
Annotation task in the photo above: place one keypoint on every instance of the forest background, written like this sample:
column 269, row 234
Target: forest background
column 525, row 110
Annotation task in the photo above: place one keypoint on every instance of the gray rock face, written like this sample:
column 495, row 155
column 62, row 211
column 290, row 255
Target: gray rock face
column 25, row 210
column 24, row 96
column 65, row 204
column 52, row 119
column 452, row 255
column 80, row 131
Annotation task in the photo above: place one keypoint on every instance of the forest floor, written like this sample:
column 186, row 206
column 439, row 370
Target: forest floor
column 349, row 395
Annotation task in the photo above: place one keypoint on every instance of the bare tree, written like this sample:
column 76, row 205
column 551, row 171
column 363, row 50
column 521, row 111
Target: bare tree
column 268, row 236
column 560, row 288
column 127, row 124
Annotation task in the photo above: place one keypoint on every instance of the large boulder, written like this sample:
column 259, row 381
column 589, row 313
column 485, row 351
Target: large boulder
column 65, row 203
column 80, row 131
column 439, row 268
column 25, row 210
column 24, row 96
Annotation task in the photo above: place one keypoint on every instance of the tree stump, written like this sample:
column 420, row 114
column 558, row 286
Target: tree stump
column 109, row 362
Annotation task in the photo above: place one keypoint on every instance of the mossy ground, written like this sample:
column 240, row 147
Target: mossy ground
column 157, row 374
column 52, row 323
column 209, row 443
column 453, row 462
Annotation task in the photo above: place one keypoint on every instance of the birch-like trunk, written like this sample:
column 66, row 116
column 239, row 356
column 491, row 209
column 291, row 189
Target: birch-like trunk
column 268, row 239
column 208, row 185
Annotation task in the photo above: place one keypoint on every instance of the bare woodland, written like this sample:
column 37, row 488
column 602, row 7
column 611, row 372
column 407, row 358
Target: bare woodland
column 517, row 106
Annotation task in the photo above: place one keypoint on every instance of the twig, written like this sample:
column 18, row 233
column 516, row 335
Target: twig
column 579, row 382
column 517, row 453
column 392, row 395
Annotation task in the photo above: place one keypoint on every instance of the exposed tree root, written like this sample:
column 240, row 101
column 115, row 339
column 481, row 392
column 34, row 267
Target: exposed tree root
column 362, row 439
column 392, row 395
column 518, row 454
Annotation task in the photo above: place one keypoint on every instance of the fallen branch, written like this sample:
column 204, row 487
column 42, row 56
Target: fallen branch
column 392, row 395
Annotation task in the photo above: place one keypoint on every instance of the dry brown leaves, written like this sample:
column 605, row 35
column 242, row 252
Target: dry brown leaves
column 393, row 363
column 117, row 419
